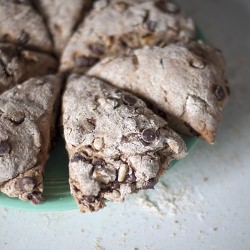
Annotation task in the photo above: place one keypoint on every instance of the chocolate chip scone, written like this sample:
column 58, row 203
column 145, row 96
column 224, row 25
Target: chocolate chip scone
column 116, row 145
column 18, row 64
column 61, row 17
column 187, row 82
column 114, row 27
column 27, row 122
column 21, row 24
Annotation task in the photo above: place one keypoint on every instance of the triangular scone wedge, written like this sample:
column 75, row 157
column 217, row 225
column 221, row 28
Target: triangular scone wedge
column 61, row 18
column 187, row 82
column 114, row 27
column 116, row 145
column 18, row 64
column 27, row 123
column 21, row 24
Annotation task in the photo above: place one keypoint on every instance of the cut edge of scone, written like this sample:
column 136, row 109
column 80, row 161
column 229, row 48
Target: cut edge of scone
column 27, row 121
column 99, row 172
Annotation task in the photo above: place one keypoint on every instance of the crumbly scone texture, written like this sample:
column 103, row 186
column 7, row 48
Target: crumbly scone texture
column 21, row 24
column 61, row 17
column 114, row 27
column 116, row 145
column 27, row 121
column 18, row 64
column 188, row 82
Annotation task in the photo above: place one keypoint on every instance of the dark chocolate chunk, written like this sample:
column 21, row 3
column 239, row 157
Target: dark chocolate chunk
column 27, row 184
column 97, row 48
column 150, row 184
column 17, row 119
column 151, row 25
column 4, row 148
column 78, row 157
column 36, row 197
column 115, row 185
column 148, row 135
column 131, row 178
column 89, row 198
column 23, row 38
column 220, row 93
column 128, row 99
column 83, row 61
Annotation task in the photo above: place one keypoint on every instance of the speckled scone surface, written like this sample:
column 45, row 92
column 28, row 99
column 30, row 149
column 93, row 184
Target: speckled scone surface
column 115, row 27
column 61, row 18
column 187, row 82
column 116, row 145
column 18, row 64
column 27, row 121
column 21, row 24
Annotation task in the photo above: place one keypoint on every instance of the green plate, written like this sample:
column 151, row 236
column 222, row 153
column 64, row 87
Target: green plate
column 56, row 186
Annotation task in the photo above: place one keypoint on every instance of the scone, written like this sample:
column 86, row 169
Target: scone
column 27, row 122
column 21, row 24
column 62, row 17
column 116, row 145
column 18, row 64
column 187, row 82
column 114, row 27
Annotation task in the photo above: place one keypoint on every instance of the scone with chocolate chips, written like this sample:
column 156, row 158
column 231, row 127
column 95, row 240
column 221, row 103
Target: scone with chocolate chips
column 18, row 64
column 114, row 27
column 116, row 145
column 187, row 82
column 21, row 24
column 27, row 122
column 62, row 17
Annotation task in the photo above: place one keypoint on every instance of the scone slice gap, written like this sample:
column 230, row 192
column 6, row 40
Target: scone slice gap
column 186, row 81
column 116, row 145
column 27, row 122
column 18, row 64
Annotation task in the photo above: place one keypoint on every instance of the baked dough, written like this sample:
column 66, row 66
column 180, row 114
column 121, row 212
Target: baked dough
column 186, row 82
column 116, row 145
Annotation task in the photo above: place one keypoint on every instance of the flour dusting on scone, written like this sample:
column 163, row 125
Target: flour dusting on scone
column 116, row 145
column 187, row 82
column 21, row 24
column 27, row 123
column 114, row 27
column 18, row 64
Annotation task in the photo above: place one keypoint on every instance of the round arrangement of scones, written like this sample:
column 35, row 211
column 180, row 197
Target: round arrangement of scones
column 123, row 79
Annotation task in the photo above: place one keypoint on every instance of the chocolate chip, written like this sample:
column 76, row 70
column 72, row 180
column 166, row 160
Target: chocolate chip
column 78, row 157
column 51, row 70
column 148, row 135
column 115, row 185
column 23, row 38
column 150, row 184
column 167, row 7
column 17, row 118
column 36, row 197
column 4, row 148
column 220, row 93
column 151, row 25
column 131, row 178
column 83, row 61
column 129, row 99
column 191, row 130
column 98, row 162
column 121, row 6
column 97, row 48
column 198, row 64
column 89, row 198
column 27, row 184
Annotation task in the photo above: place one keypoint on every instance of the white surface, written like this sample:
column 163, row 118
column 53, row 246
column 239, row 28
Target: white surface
column 209, row 200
